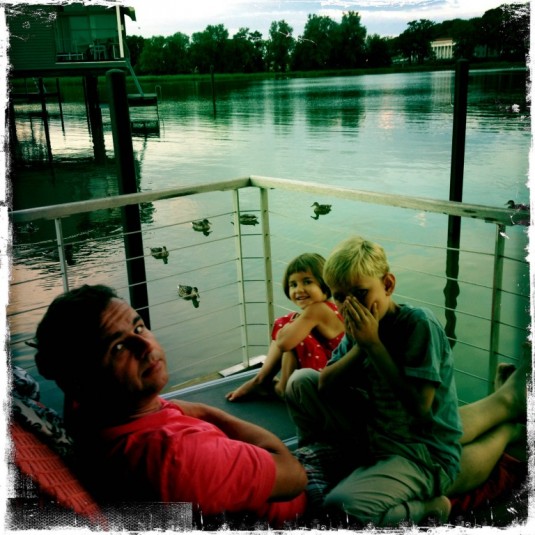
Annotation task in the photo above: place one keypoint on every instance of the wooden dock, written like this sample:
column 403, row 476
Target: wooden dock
column 145, row 99
column 32, row 96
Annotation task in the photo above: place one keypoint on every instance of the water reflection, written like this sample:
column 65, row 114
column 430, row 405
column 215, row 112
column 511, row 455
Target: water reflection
column 64, row 181
column 386, row 132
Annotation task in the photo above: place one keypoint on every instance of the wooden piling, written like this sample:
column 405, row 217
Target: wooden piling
column 213, row 90
column 124, row 156
column 44, row 112
column 95, row 117
column 60, row 105
column 460, row 107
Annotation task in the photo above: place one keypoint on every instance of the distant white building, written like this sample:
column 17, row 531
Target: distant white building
column 443, row 48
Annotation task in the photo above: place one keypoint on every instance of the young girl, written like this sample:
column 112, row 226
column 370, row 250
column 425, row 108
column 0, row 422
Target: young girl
column 299, row 340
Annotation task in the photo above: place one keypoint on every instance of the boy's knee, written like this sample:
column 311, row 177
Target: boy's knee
column 304, row 375
column 301, row 380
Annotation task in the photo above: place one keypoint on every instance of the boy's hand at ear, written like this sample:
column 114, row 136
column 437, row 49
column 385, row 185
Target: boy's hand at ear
column 361, row 324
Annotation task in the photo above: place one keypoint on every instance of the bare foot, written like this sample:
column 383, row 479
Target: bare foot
column 279, row 389
column 437, row 511
column 503, row 372
column 249, row 389
column 517, row 447
column 246, row 389
column 514, row 392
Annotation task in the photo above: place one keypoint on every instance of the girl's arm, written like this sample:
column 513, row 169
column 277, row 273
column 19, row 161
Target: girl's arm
column 296, row 331
column 267, row 372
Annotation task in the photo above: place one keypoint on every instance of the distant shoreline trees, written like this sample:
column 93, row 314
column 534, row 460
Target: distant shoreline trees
column 501, row 33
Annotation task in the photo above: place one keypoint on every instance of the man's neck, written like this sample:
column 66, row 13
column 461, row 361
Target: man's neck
column 110, row 413
column 148, row 407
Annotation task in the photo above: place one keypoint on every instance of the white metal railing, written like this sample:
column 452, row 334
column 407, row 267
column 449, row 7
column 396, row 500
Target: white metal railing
column 252, row 248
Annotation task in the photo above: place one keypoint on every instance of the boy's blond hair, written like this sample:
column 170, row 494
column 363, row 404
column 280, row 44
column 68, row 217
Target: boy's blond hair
column 354, row 257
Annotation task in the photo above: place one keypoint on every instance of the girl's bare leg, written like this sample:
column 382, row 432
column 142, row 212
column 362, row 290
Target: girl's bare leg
column 288, row 366
column 261, row 382
column 503, row 372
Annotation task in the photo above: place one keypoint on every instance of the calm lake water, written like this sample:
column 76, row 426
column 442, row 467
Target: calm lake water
column 388, row 133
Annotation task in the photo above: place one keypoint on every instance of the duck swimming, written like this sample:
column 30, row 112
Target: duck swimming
column 28, row 228
column 249, row 219
column 516, row 206
column 202, row 225
column 160, row 253
column 189, row 293
column 320, row 209
column 53, row 254
column 517, row 219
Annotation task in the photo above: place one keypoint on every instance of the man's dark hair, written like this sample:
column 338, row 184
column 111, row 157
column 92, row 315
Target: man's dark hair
column 68, row 337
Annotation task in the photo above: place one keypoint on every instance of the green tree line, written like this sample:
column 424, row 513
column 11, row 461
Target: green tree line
column 501, row 33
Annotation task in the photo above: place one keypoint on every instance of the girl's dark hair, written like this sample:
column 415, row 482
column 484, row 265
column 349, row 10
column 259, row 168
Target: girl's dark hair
column 67, row 339
column 312, row 262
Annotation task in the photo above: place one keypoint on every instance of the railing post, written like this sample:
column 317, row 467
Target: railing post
column 268, row 264
column 497, row 278
column 61, row 252
column 241, row 281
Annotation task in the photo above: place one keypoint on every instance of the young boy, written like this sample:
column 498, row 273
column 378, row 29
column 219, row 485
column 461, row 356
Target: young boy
column 387, row 396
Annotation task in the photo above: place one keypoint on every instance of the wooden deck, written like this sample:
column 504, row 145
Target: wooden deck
column 270, row 413
column 145, row 99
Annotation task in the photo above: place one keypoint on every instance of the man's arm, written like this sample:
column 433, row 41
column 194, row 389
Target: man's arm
column 290, row 479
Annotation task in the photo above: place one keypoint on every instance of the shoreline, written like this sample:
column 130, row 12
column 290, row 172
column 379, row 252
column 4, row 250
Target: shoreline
column 336, row 72
column 147, row 78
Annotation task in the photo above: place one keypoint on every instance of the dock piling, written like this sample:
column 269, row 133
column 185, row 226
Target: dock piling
column 44, row 113
column 124, row 156
column 213, row 89
column 95, row 117
column 460, row 106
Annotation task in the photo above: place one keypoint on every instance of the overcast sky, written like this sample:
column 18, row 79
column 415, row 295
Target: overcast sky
column 384, row 17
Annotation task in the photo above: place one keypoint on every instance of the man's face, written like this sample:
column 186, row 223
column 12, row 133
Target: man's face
column 134, row 363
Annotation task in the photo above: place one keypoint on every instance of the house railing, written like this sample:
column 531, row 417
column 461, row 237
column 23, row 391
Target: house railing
column 251, row 267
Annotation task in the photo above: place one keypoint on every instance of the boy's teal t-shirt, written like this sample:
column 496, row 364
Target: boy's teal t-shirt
column 418, row 344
